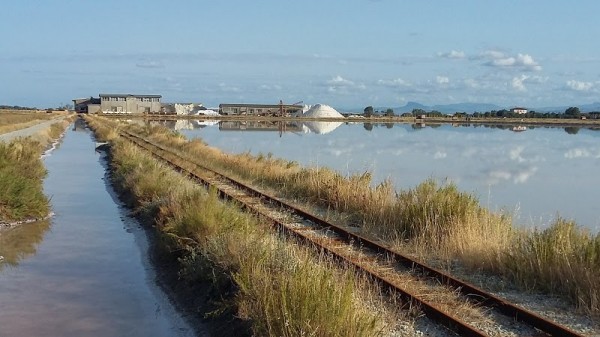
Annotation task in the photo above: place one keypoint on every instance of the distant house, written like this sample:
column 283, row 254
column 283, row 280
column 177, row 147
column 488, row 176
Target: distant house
column 519, row 111
column 259, row 109
column 82, row 105
column 127, row 103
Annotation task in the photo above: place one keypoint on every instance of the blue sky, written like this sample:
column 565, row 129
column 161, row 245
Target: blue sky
column 347, row 54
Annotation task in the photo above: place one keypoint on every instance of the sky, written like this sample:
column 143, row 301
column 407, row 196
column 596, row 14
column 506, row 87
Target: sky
column 345, row 53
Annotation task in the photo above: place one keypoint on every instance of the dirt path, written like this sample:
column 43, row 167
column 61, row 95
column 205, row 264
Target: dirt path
column 7, row 137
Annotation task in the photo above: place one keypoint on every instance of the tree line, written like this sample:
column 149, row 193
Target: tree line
column 569, row 113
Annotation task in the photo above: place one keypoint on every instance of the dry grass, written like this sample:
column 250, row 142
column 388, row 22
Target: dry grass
column 282, row 289
column 563, row 259
column 21, row 174
column 11, row 120
column 436, row 220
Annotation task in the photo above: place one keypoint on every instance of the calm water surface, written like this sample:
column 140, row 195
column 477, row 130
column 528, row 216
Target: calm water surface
column 534, row 174
column 85, row 272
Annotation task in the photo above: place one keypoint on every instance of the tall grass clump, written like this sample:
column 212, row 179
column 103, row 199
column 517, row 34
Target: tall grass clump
column 279, row 288
column 21, row 174
column 304, row 299
column 561, row 259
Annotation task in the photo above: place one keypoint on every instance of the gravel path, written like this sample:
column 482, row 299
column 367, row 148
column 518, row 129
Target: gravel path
column 7, row 137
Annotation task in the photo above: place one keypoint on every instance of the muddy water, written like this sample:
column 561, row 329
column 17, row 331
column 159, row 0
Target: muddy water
column 86, row 271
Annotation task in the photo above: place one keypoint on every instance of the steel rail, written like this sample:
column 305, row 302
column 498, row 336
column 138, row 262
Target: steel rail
column 471, row 292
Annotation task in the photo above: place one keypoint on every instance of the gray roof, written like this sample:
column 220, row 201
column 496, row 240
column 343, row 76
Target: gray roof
column 130, row 95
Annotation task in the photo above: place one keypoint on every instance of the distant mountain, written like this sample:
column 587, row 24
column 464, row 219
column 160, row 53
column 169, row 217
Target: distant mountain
column 473, row 107
column 583, row 107
column 466, row 107
column 410, row 106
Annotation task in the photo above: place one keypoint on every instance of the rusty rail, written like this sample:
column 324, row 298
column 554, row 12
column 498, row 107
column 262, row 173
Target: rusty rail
column 471, row 292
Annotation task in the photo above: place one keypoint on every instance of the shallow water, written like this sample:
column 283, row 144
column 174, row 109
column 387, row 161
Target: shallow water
column 85, row 272
column 533, row 173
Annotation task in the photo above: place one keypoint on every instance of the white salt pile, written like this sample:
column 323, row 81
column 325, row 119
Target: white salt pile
column 322, row 111
column 208, row 112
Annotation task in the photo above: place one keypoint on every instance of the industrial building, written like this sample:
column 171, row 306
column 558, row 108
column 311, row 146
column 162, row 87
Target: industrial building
column 119, row 103
column 259, row 109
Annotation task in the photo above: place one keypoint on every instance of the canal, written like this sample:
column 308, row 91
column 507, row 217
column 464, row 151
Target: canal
column 86, row 271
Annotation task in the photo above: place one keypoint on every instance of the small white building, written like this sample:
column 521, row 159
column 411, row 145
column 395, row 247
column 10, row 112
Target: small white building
column 519, row 111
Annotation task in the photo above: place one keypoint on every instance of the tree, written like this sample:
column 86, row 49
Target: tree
column 389, row 112
column 368, row 112
column 418, row 112
column 573, row 112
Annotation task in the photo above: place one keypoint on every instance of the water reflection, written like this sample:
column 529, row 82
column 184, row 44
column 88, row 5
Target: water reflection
column 90, row 275
column 21, row 242
column 320, row 127
column 533, row 172
column 298, row 127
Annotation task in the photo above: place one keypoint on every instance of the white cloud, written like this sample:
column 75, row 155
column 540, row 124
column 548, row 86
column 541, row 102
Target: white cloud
column 493, row 54
column 227, row 88
column 394, row 83
column 523, row 176
column 527, row 61
column 579, row 153
column 453, row 54
column 442, row 80
column 579, row 85
column 517, row 82
column 515, row 154
column 270, row 87
column 149, row 64
column 520, row 61
column 472, row 83
column 518, row 176
column 338, row 84
column 340, row 81
column 440, row 155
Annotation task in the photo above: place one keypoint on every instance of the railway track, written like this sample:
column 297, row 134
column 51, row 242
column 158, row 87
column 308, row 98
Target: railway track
column 396, row 272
